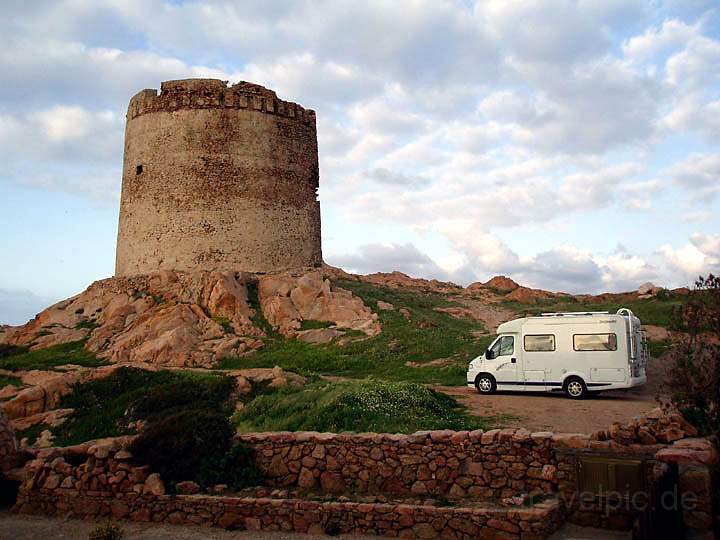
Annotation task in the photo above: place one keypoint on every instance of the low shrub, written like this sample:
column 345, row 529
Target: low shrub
column 109, row 406
column 182, row 394
column 9, row 350
column 693, row 379
column 236, row 468
column 107, row 531
column 195, row 445
column 176, row 446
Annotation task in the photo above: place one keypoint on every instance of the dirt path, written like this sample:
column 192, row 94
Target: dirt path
column 554, row 412
column 541, row 411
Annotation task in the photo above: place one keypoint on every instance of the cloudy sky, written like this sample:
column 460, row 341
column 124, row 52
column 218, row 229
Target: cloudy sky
column 571, row 145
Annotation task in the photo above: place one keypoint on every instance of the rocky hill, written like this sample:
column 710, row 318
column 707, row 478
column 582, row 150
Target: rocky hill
column 194, row 319
column 315, row 331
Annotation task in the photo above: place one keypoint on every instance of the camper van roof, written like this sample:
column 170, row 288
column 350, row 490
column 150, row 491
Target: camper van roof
column 516, row 324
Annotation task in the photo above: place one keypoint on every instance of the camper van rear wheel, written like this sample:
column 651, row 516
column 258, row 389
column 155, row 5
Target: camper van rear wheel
column 575, row 388
column 485, row 384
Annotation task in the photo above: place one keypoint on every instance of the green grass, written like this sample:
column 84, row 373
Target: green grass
column 657, row 311
column 362, row 406
column 314, row 325
column 225, row 323
column 6, row 380
column 88, row 323
column 429, row 335
column 10, row 350
column 51, row 357
column 107, row 407
column 658, row 348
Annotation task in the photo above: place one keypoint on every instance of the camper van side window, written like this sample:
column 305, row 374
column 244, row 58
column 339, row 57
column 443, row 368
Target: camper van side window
column 538, row 343
column 595, row 342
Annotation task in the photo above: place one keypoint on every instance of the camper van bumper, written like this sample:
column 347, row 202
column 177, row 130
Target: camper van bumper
column 637, row 381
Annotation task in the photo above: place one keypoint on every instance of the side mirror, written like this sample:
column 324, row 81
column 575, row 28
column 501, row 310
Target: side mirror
column 489, row 355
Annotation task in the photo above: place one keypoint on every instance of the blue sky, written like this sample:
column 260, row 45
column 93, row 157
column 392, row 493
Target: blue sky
column 570, row 145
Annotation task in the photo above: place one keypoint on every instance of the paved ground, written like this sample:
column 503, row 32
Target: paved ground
column 539, row 411
column 14, row 527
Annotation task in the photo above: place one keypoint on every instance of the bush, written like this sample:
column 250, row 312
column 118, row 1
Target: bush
column 107, row 531
column 177, row 445
column 107, row 407
column 693, row 382
column 182, row 394
column 236, row 468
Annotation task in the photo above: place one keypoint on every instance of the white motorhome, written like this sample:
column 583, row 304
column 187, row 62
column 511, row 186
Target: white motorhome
column 575, row 353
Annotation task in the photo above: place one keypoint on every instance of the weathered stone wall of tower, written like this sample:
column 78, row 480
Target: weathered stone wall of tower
column 218, row 176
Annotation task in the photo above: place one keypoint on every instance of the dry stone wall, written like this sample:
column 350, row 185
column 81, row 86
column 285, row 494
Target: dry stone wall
column 218, row 177
column 489, row 465
column 91, row 481
column 380, row 484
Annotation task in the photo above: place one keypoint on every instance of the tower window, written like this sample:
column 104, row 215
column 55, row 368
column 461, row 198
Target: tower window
column 138, row 169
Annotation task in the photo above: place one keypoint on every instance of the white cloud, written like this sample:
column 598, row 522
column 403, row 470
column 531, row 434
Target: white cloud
column 697, row 258
column 467, row 119
column 663, row 40
column 699, row 174
column 697, row 66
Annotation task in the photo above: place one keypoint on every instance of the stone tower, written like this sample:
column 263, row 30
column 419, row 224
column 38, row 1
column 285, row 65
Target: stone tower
column 218, row 177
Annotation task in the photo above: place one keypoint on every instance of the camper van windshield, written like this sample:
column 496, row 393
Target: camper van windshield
column 504, row 346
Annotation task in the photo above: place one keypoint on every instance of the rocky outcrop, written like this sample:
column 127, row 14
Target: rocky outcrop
column 648, row 290
column 398, row 280
column 8, row 443
column 526, row 295
column 189, row 319
column 501, row 283
column 287, row 300
column 44, row 393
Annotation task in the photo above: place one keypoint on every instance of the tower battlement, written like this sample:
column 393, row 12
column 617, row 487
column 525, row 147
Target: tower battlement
column 215, row 94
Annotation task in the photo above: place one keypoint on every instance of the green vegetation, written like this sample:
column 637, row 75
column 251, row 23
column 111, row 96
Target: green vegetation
column 658, row 348
column 107, row 531
column 258, row 319
column 6, row 380
column 429, row 335
column 196, row 444
column 657, row 311
column 88, row 323
column 31, row 433
column 51, row 357
column 110, row 406
column 314, row 325
column 225, row 323
column 354, row 406
column 693, row 377
column 9, row 350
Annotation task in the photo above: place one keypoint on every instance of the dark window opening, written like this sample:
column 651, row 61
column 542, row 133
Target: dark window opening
column 138, row 169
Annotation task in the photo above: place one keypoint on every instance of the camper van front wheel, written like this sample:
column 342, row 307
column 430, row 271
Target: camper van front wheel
column 485, row 383
column 575, row 388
